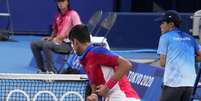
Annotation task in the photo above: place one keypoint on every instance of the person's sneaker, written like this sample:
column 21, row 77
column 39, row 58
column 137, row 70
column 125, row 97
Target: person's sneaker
column 49, row 73
column 40, row 71
column 52, row 71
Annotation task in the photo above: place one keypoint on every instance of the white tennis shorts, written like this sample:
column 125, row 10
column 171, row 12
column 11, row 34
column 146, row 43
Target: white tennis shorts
column 119, row 96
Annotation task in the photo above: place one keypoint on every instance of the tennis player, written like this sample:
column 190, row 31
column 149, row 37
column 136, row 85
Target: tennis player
column 106, row 71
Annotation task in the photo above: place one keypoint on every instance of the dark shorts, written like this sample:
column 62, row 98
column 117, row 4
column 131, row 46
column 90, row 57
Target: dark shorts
column 176, row 93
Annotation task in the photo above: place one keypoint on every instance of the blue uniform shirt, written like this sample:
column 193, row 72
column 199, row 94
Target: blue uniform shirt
column 179, row 48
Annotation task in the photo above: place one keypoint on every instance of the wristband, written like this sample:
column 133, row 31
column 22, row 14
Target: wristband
column 110, row 83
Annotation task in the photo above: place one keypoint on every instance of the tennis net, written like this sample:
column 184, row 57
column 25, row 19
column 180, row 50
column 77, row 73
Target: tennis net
column 42, row 87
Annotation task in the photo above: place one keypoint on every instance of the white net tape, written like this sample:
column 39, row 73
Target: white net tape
column 43, row 76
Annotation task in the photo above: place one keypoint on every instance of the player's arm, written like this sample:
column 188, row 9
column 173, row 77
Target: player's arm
column 162, row 60
column 163, row 49
column 93, row 88
column 198, row 56
column 93, row 96
column 123, row 67
column 90, row 73
column 59, row 37
column 62, row 34
column 49, row 37
column 198, row 51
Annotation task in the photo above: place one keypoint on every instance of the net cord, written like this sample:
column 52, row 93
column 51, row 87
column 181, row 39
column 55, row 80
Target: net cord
column 74, row 77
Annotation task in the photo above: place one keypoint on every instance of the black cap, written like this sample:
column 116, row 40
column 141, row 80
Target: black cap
column 170, row 16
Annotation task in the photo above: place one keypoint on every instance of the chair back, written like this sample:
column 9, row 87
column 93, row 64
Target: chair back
column 107, row 23
column 94, row 20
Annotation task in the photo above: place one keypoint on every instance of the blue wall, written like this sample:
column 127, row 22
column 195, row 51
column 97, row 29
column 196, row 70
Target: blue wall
column 138, row 30
column 86, row 8
column 37, row 15
column 32, row 15
column 131, row 30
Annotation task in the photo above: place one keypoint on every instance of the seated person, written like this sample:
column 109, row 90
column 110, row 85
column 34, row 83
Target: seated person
column 65, row 19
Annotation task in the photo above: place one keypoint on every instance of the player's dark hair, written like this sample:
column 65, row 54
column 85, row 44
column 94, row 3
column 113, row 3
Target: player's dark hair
column 176, row 24
column 81, row 33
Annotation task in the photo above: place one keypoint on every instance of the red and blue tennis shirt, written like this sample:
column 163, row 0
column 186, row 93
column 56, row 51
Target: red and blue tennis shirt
column 100, row 64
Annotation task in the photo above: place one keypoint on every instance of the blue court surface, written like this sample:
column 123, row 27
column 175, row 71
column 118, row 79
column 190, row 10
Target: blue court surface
column 16, row 55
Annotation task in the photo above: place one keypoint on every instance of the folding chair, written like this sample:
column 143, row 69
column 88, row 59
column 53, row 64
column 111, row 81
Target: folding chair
column 107, row 23
column 64, row 58
column 94, row 20
column 105, row 27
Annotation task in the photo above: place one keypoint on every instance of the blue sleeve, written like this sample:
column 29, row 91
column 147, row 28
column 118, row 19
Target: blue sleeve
column 163, row 45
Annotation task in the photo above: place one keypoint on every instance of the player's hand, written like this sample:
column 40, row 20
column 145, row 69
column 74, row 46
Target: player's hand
column 47, row 38
column 92, row 97
column 102, row 90
column 57, row 41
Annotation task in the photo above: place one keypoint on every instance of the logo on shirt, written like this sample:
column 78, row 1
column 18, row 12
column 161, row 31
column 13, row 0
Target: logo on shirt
column 182, row 39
